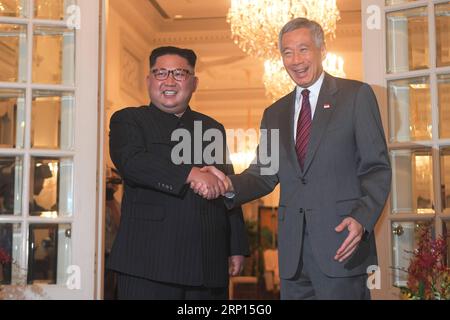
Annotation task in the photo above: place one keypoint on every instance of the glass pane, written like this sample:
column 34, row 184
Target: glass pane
column 443, row 34
column 52, row 120
column 409, row 110
column 51, row 9
column 405, row 236
column 407, row 40
column 12, row 118
column 446, row 229
column 412, row 181
column 50, row 251
column 10, row 248
column 444, row 105
column 445, row 179
column 51, row 187
column 10, row 186
column 392, row 2
column 53, row 55
column 13, row 8
column 13, row 52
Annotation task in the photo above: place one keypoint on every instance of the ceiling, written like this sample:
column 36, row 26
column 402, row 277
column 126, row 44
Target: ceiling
column 207, row 9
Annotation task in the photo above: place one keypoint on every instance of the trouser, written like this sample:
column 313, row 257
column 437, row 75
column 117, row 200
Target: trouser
column 134, row 288
column 310, row 283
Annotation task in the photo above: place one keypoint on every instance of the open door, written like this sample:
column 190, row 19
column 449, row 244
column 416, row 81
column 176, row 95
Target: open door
column 406, row 59
column 48, row 147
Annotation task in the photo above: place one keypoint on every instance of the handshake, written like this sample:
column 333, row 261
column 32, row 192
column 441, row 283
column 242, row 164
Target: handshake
column 209, row 182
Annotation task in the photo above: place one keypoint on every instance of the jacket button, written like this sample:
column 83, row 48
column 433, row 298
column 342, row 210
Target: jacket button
column 301, row 210
column 304, row 181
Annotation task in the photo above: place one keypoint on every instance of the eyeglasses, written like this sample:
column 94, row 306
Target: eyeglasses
column 178, row 74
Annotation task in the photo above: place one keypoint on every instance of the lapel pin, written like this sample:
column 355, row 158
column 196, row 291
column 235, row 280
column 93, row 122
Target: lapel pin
column 326, row 106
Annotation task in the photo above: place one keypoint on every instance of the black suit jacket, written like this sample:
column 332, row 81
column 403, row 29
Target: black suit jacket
column 167, row 232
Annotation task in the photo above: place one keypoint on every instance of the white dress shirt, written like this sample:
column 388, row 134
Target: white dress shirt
column 314, row 91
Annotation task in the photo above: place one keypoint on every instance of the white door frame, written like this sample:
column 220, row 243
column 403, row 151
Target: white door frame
column 85, row 155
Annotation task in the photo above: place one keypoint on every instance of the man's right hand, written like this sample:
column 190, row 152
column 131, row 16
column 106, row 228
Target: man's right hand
column 206, row 184
column 200, row 188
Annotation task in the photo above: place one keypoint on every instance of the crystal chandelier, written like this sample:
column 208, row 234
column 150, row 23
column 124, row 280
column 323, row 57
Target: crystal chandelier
column 255, row 24
column 278, row 82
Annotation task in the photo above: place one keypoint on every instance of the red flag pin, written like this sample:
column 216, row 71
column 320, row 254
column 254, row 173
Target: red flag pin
column 326, row 106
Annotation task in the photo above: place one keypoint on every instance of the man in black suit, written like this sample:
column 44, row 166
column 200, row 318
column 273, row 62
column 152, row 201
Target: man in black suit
column 171, row 243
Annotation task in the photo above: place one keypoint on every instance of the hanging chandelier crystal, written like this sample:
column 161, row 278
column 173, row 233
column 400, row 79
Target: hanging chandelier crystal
column 255, row 24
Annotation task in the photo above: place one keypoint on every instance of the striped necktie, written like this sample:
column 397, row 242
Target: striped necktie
column 303, row 129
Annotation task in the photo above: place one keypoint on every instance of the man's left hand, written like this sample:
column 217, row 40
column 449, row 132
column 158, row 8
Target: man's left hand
column 236, row 265
column 355, row 233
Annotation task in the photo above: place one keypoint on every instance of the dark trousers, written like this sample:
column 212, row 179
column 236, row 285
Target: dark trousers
column 134, row 288
column 310, row 283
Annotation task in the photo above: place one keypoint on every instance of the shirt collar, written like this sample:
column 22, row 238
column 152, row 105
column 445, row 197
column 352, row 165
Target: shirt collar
column 313, row 89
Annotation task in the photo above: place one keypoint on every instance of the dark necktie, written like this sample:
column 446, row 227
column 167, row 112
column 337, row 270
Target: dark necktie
column 303, row 129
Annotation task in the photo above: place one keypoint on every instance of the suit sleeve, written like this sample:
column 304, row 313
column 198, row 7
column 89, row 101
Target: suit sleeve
column 373, row 165
column 253, row 183
column 136, row 164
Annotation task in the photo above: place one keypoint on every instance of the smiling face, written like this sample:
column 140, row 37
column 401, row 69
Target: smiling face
column 301, row 57
column 170, row 95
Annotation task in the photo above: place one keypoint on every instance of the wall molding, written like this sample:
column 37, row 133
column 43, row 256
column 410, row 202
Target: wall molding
column 131, row 66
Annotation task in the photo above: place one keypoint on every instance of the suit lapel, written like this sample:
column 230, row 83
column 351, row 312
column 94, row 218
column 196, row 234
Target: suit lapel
column 322, row 116
column 287, row 130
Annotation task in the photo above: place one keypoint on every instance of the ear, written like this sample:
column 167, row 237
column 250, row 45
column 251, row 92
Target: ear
column 323, row 52
column 195, row 84
column 147, row 80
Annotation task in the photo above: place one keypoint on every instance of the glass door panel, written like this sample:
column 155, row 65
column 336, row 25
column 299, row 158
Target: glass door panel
column 13, row 8
column 446, row 234
column 10, row 253
column 52, row 118
column 53, row 55
column 13, row 52
column 12, row 118
column 53, row 10
column 50, row 253
column 10, row 185
column 407, row 40
column 443, row 34
column 412, row 182
column 444, row 105
column 409, row 110
column 394, row 2
column 405, row 236
column 445, row 179
column 51, row 187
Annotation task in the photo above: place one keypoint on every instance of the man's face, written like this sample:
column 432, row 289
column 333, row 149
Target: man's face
column 301, row 58
column 170, row 95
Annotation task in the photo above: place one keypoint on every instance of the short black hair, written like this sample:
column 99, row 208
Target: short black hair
column 188, row 54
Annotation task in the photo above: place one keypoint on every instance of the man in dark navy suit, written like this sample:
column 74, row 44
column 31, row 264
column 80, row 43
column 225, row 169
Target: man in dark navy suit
column 171, row 243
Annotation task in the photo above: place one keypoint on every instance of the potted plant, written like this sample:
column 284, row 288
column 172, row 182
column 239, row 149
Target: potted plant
column 428, row 273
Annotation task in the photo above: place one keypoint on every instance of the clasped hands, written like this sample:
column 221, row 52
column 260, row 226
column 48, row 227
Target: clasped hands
column 209, row 182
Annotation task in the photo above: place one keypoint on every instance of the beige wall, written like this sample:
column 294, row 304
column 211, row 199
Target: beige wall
column 127, row 51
